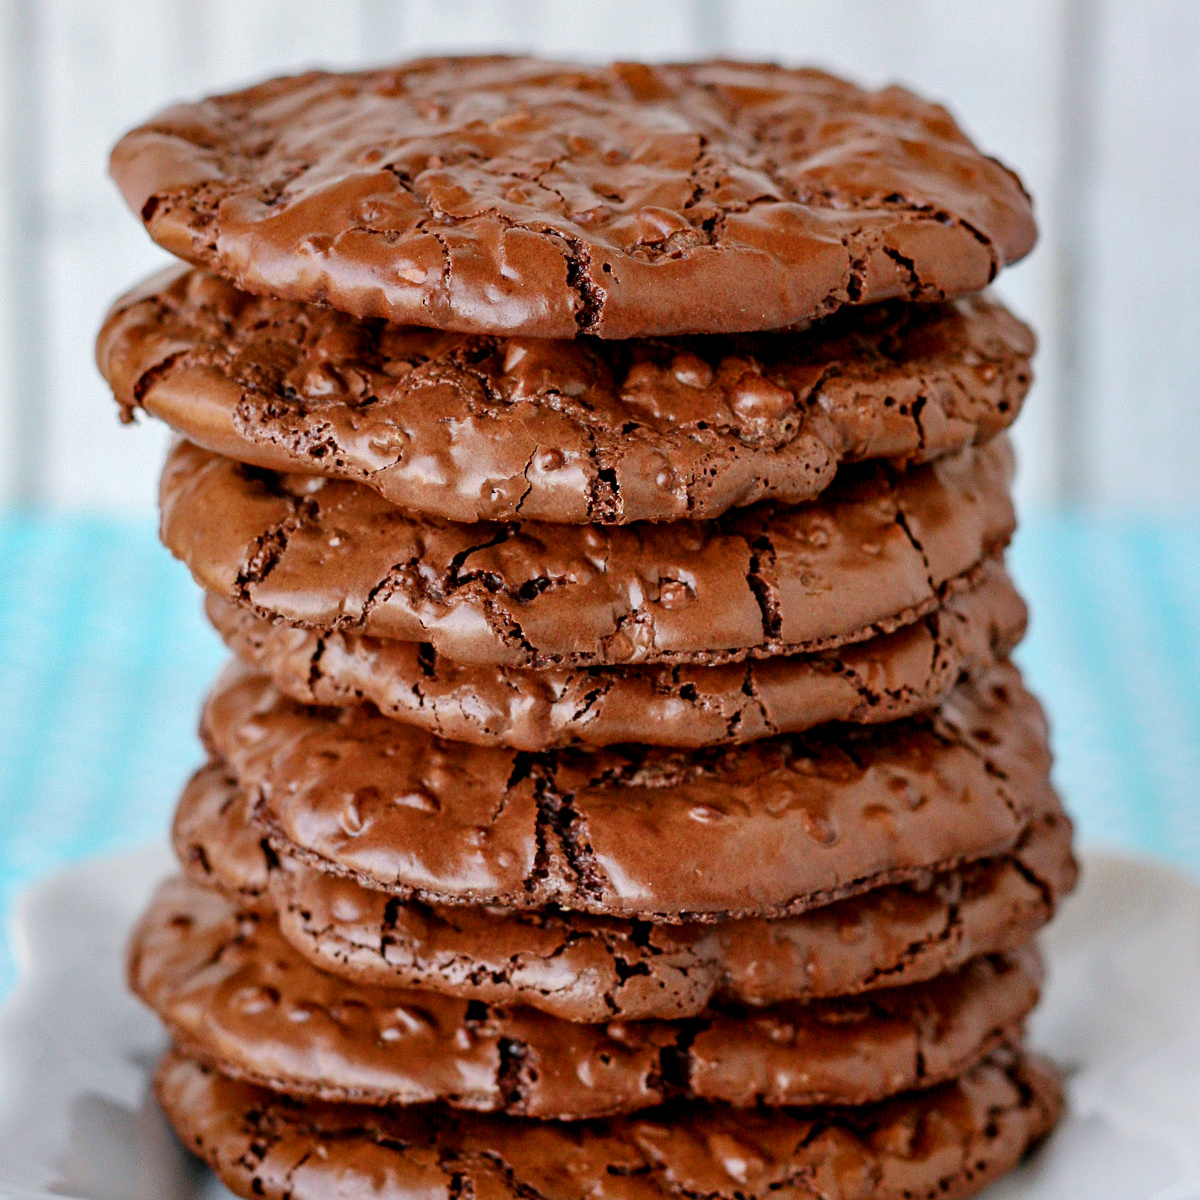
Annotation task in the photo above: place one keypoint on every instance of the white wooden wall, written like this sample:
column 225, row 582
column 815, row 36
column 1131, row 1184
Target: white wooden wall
column 1096, row 102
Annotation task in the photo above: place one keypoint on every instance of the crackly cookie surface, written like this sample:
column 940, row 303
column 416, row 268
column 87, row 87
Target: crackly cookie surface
column 236, row 994
column 883, row 679
column 513, row 195
column 941, row 1144
column 482, row 428
column 760, row 829
column 215, row 838
column 585, row 968
column 878, row 550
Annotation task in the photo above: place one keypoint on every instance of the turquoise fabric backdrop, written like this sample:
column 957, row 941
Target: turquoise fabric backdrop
column 106, row 657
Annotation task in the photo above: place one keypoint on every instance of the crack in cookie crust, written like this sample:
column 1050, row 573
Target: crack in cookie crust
column 879, row 550
column 476, row 428
column 762, row 829
column 494, row 195
column 939, row 1145
column 235, row 993
column 585, row 968
column 883, row 679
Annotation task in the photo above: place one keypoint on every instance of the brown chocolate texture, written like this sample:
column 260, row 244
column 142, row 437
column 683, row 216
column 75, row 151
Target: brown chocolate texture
column 886, row 678
column 585, row 968
column 474, row 428
column 233, row 992
column 496, row 195
column 761, row 829
column 941, row 1144
column 878, row 550
column 215, row 838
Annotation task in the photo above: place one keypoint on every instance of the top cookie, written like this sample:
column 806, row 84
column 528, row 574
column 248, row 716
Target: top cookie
column 512, row 195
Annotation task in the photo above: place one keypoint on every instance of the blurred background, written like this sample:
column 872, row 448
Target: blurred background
column 1095, row 102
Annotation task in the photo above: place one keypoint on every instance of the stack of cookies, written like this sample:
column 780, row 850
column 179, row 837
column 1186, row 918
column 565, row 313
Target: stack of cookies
column 621, row 788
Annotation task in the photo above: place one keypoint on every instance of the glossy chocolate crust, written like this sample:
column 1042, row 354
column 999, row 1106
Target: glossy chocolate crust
column 234, row 993
column 512, row 195
column 474, row 428
column 215, row 838
column 878, row 550
column 884, row 679
column 585, row 968
column 942, row 1144
column 763, row 829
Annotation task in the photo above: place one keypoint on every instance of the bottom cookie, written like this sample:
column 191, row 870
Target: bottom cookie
column 946, row 1143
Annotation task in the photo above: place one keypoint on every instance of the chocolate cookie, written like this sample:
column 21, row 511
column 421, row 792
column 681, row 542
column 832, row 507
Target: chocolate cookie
column 875, row 552
column 884, row 679
column 512, row 195
column 493, row 429
column 762, row 829
column 584, row 968
column 234, row 993
column 936, row 1145
column 215, row 838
